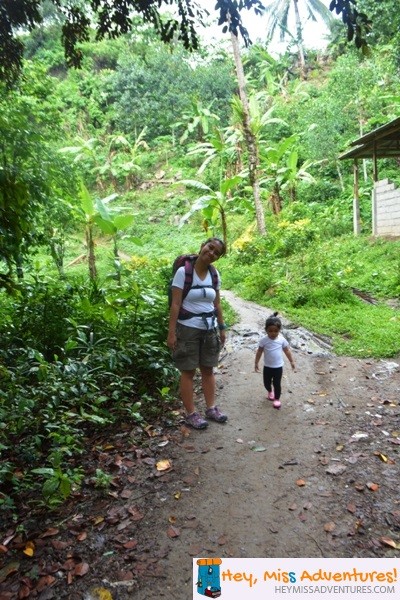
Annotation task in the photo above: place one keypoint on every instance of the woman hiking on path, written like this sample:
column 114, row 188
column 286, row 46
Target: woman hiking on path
column 197, row 330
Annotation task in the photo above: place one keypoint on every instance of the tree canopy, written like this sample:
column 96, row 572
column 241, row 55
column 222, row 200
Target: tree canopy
column 112, row 18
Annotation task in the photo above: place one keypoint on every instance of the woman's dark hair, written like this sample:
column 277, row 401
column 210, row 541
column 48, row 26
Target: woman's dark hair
column 273, row 320
column 215, row 239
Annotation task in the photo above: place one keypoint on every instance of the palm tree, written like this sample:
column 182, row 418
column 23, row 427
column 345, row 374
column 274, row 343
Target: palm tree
column 251, row 140
column 213, row 203
column 279, row 12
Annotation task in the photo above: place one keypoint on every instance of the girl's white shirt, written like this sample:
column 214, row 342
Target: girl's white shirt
column 198, row 300
column 273, row 350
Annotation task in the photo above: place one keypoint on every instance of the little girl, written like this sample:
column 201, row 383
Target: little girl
column 272, row 346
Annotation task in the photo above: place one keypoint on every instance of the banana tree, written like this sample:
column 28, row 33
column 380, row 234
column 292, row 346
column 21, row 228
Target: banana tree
column 213, row 204
column 112, row 157
column 198, row 121
column 222, row 147
column 282, row 171
column 97, row 214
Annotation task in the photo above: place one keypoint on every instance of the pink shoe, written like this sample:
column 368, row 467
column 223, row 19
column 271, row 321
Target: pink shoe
column 271, row 396
column 277, row 404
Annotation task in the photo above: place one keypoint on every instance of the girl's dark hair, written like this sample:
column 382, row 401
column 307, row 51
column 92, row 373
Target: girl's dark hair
column 215, row 239
column 273, row 320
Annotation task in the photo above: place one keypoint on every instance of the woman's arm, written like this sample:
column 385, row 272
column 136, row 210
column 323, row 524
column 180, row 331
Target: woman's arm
column 220, row 317
column 173, row 316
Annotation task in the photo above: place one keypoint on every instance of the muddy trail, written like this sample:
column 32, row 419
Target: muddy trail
column 318, row 478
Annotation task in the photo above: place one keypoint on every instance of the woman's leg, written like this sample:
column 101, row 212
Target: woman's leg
column 186, row 390
column 208, row 385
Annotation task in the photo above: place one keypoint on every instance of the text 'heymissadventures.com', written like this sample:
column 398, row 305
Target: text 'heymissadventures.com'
column 335, row 589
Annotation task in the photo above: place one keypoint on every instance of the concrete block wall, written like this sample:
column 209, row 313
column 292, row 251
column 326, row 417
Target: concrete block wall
column 385, row 209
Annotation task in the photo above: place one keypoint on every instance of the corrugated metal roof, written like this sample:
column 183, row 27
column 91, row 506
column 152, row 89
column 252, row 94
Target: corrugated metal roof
column 383, row 142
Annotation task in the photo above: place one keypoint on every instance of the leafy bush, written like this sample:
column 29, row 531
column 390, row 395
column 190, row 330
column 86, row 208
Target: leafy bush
column 108, row 362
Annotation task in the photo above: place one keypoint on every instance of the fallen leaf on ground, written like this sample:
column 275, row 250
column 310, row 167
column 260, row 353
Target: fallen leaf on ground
column 222, row 540
column 135, row 512
column 59, row 545
column 100, row 593
column 173, row 532
column 372, row 486
column 163, row 465
column 388, row 542
column 29, row 549
column 24, row 592
column 381, row 456
column 12, row 567
column 50, row 532
column 81, row 569
column 45, row 582
column 130, row 545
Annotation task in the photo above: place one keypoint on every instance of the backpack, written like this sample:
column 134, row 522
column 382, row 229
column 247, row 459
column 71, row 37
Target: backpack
column 187, row 261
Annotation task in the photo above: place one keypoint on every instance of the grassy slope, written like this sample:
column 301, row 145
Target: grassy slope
column 311, row 286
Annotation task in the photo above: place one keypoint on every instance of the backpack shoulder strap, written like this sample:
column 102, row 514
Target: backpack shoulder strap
column 214, row 276
column 189, row 266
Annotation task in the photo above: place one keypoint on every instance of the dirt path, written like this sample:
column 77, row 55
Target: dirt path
column 319, row 478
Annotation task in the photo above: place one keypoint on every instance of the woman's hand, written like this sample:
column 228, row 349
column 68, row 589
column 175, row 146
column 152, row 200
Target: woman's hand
column 171, row 341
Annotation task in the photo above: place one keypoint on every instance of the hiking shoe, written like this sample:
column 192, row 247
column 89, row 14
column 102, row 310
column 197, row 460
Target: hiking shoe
column 216, row 415
column 271, row 396
column 277, row 404
column 196, row 421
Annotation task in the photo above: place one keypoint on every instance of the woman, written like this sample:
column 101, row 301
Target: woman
column 197, row 331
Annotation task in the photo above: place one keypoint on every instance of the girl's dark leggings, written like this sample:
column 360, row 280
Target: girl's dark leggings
column 273, row 377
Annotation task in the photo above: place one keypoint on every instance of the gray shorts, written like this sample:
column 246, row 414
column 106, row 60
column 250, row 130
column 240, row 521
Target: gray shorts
column 195, row 348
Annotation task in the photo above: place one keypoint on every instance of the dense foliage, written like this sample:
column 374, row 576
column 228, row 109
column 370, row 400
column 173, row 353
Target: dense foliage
column 108, row 172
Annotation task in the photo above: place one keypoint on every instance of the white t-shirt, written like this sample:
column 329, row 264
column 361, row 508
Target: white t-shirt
column 273, row 355
column 200, row 300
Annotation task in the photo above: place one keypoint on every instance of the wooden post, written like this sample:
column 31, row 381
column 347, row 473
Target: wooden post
column 356, row 202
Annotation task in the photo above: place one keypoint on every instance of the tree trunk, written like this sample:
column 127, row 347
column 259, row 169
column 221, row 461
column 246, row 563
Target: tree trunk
column 276, row 200
column 90, row 251
column 251, row 142
column 299, row 39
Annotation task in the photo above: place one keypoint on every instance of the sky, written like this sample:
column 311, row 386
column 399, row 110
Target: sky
column 313, row 32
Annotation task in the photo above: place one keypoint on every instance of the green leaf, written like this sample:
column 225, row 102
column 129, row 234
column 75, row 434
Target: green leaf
column 103, row 211
column 86, row 201
column 50, row 486
column 65, row 487
column 192, row 183
column 123, row 221
column 106, row 226
column 43, row 471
